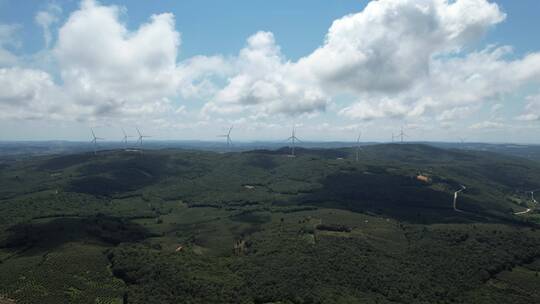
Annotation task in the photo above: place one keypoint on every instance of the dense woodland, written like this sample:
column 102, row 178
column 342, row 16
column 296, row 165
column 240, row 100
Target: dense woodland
column 180, row 226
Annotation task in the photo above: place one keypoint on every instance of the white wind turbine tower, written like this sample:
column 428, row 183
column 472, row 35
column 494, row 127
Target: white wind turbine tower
column 125, row 138
column 293, row 139
column 141, row 136
column 401, row 135
column 228, row 136
column 358, row 146
column 94, row 140
column 462, row 141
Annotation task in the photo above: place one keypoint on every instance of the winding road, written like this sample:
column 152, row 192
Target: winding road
column 456, row 194
column 528, row 209
column 523, row 212
column 455, row 198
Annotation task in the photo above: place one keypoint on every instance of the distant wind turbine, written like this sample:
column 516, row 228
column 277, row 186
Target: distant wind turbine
column 228, row 136
column 358, row 146
column 94, row 140
column 125, row 138
column 293, row 139
column 141, row 136
column 401, row 135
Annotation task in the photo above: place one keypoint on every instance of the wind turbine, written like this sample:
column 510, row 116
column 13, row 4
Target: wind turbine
column 94, row 140
column 228, row 136
column 358, row 145
column 293, row 139
column 140, row 140
column 125, row 138
column 462, row 141
column 401, row 135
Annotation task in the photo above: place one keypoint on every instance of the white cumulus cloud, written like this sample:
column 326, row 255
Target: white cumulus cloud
column 8, row 39
column 45, row 19
column 401, row 59
column 487, row 125
column 437, row 74
column 389, row 46
column 263, row 81
column 397, row 58
column 532, row 109
column 108, row 70
column 24, row 93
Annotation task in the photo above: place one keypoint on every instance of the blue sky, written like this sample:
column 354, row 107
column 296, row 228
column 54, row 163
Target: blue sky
column 265, row 65
column 209, row 27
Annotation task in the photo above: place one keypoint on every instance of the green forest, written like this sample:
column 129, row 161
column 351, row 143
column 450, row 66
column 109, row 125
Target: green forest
column 187, row 226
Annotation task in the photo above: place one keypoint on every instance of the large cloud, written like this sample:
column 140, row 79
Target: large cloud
column 25, row 93
column 104, row 65
column 394, row 59
column 265, row 82
column 107, row 70
column 389, row 45
column 398, row 58
column 410, row 59
column 455, row 83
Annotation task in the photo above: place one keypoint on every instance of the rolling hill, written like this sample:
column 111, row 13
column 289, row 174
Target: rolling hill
column 188, row 226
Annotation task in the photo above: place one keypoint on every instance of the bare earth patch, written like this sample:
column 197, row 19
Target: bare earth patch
column 5, row 300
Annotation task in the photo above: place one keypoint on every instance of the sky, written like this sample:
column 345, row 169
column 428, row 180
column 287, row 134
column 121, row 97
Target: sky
column 443, row 70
